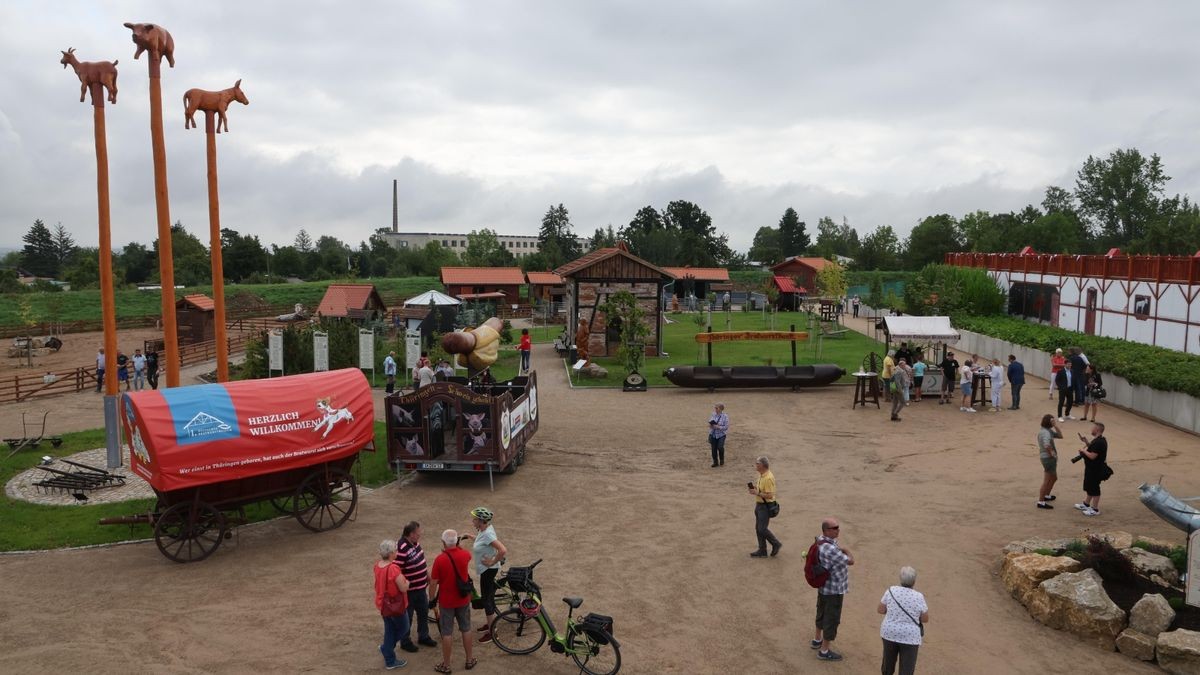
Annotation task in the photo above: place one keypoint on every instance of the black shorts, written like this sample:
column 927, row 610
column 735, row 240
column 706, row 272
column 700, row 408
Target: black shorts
column 917, row 381
column 1091, row 484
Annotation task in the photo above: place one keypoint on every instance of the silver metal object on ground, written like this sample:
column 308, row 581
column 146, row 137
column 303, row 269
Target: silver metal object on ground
column 1169, row 508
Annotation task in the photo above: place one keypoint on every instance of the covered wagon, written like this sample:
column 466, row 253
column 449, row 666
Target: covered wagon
column 209, row 450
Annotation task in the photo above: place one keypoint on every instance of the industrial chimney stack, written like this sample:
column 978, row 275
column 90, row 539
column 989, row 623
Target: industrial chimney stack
column 395, row 208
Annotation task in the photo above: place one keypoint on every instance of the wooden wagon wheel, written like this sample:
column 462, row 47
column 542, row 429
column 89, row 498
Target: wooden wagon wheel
column 326, row 499
column 187, row 534
column 285, row 505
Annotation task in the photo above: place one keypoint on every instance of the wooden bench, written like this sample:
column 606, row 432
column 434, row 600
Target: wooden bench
column 828, row 332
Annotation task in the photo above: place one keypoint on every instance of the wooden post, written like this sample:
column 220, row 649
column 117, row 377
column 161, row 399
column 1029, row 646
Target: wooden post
column 214, row 231
column 107, row 299
column 793, row 329
column 708, row 348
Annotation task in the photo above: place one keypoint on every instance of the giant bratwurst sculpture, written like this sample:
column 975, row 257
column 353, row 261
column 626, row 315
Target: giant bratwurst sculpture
column 477, row 348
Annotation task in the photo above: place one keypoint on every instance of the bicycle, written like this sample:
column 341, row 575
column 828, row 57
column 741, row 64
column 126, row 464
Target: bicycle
column 523, row 630
column 505, row 599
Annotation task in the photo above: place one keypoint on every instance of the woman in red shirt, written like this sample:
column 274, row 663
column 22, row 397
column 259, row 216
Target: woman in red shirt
column 1057, row 363
column 525, row 348
column 391, row 582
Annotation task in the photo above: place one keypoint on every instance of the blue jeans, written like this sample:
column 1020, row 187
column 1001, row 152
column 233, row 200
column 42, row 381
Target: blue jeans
column 718, row 448
column 1016, row 394
column 525, row 359
column 139, row 379
column 418, row 605
column 394, row 627
column 1078, row 385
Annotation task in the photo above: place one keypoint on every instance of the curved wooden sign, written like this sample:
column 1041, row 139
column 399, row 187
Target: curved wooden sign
column 751, row 335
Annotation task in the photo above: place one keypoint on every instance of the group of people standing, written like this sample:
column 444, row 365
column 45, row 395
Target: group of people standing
column 145, row 369
column 1077, row 382
column 904, row 608
column 406, row 587
column 1094, row 455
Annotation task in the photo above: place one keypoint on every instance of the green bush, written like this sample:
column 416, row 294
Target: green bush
column 939, row 290
column 1155, row 367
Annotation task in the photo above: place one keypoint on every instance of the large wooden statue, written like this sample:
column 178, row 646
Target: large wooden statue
column 581, row 340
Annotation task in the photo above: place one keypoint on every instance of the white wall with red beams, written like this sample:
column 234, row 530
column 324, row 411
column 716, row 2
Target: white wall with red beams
column 1172, row 322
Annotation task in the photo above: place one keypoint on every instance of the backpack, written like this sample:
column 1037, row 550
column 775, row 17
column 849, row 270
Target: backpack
column 814, row 573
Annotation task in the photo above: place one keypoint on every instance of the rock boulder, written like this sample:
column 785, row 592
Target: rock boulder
column 1147, row 563
column 1179, row 652
column 594, row 371
column 1076, row 602
column 1136, row 645
column 1023, row 572
column 1151, row 615
column 1117, row 539
column 1031, row 545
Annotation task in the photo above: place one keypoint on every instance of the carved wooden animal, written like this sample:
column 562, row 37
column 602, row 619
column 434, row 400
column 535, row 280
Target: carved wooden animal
column 475, row 422
column 152, row 38
column 214, row 101
column 92, row 72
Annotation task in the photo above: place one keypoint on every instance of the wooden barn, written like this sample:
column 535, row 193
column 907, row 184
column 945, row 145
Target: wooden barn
column 545, row 286
column 477, row 281
column 356, row 302
column 591, row 279
column 803, row 270
column 699, row 281
column 195, row 318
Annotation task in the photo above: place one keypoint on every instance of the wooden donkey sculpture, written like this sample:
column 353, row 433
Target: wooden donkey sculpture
column 211, row 101
column 92, row 72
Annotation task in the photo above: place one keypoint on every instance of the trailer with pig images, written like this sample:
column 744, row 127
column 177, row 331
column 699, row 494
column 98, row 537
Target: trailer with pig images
column 457, row 425
column 210, row 450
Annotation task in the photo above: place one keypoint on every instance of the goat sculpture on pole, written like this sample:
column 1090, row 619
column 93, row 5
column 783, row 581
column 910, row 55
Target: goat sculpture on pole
column 92, row 72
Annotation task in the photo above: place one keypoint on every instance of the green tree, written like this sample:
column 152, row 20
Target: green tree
column 624, row 308
column 84, row 271
column 484, row 250
column 139, row 263
column 879, row 250
column 647, row 219
column 330, row 258
column 766, row 248
column 192, row 264
column 286, row 261
column 1120, row 195
column 831, row 281
column 242, row 255
column 931, row 240
column 556, row 237
column 603, row 238
column 700, row 244
column 303, row 242
column 39, row 257
column 793, row 237
column 64, row 245
column 9, row 282
column 834, row 239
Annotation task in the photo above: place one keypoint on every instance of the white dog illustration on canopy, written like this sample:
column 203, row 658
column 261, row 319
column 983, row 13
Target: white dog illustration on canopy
column 331, row 416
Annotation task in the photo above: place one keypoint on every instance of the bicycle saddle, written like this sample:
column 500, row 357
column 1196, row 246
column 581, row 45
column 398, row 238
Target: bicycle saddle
column 573, row 603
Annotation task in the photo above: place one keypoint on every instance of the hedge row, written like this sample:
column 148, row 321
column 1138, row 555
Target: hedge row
column 1155, row 367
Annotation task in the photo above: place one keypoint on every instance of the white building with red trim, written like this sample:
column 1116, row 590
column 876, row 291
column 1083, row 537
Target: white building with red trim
column 1154, row 300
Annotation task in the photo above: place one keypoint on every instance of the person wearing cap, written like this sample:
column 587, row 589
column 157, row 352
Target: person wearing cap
column 488, row 553
column 949, row 367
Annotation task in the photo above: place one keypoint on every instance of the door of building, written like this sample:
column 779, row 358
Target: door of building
column 1089, row 321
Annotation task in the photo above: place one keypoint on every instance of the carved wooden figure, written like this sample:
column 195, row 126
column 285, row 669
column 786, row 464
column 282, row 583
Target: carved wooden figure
column 211, row 101
column 152, row 38
column 92, row 72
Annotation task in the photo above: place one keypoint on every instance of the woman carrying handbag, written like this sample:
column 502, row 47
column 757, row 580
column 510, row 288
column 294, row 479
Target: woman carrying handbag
column 391, row 599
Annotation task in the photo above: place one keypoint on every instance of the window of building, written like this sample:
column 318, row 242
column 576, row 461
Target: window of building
column 404, row 244
column 1141, row 307
column 444, row 244
column 462, row 243
column 1035, row 301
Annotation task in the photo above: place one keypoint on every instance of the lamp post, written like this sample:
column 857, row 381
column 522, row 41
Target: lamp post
column 95, row 77
column 156, row 40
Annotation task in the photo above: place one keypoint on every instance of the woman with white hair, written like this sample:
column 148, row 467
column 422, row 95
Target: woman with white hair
column 1057, row 363
column 905, row 615
column 391, row 584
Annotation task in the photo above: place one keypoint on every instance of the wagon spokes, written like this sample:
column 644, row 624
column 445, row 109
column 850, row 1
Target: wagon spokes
column 326, row 499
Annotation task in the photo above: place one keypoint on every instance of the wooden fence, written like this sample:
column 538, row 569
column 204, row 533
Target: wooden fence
column 23, row 387
column 1161, row 269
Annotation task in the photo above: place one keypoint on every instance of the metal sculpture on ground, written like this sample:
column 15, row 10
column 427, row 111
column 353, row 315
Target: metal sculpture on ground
column 1170, row 508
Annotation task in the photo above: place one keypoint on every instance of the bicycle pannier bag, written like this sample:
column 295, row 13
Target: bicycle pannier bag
column 600, row 627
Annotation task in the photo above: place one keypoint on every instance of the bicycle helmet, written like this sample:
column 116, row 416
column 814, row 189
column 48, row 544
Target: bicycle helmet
column 530, row 607
column 482, row 513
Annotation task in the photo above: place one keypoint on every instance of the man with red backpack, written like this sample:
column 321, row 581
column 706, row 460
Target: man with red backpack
column 826, row 568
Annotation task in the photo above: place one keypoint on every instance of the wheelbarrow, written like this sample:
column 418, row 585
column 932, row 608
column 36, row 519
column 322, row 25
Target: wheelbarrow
column 28, row 439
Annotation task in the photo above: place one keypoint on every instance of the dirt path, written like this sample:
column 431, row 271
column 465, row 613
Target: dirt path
column 619, row 499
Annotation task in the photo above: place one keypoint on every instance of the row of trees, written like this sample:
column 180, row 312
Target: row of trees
column 1117, row 201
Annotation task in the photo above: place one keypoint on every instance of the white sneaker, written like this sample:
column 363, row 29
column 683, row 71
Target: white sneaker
column 962, row 409
column 972, row 410
column 1061, row 420
column 1091, row 512
column 1070, row 417
column 1082, row 507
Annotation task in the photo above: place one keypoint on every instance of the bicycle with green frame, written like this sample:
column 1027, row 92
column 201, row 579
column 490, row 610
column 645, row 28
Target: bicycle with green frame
column 524, row 629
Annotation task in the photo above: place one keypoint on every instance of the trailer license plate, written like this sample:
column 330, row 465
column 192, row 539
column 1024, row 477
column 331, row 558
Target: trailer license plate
column 433, row 465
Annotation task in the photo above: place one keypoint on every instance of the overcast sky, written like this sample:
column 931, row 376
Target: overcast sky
column 489, row 112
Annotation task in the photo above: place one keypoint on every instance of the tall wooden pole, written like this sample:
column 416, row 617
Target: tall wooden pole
column 218, row 267
column 107, row 299
column 159, row 43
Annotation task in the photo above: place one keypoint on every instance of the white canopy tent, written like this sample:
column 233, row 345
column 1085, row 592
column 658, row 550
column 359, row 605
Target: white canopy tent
column 431, row 297
column 932, row 329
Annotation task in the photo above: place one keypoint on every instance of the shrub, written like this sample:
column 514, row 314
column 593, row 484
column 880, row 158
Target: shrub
column 1176, row 602
column 1155, row 367
column 953, row 291
column 1108, row 562
column 506, row 336
column 1075, row 550
column 1045, row 551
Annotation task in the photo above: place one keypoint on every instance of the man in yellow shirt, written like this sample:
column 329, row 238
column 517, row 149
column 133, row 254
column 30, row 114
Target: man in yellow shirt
column 764, row 498
column 889, row 369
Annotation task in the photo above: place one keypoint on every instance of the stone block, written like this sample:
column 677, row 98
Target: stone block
column 1075, row 602
column 1147, row 563
column 1117, row 539
column 1136, row 645
column 594, row 371
column 1179, row 652
column 1161, row 542
column 1031, row 545
column 1022, row 573
column 1151, row 615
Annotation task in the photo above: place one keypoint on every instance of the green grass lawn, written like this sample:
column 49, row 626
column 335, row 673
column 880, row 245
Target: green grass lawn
column 679, row 341
column 84, row 305
column 26, row 526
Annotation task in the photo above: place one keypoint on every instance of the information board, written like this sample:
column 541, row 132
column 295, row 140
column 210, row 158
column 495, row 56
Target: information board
column 1193, row 570
column 275, row 351
column 412, row 348
column 320, row 351
column 366, row 349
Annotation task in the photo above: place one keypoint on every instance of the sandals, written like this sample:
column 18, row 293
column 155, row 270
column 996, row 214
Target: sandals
column 442, row 668
column 471, row 664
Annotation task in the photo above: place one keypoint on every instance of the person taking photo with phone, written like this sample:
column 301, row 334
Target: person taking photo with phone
column 1095, row 469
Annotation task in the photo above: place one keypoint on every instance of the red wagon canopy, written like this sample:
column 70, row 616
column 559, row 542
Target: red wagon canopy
column 192, row 436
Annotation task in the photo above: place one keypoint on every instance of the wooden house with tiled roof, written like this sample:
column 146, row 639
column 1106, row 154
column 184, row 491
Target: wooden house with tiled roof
column 592, row 278
column 195, row 318
column 357, row 302
column 478, row 282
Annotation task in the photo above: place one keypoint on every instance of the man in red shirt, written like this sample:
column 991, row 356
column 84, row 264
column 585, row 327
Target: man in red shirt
column 450, row 567
column 525, row 348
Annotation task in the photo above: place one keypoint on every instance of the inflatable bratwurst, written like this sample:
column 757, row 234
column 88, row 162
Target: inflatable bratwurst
column 477, row 348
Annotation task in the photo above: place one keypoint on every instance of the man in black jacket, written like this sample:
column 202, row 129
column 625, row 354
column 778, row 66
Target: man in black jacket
column 949, row 368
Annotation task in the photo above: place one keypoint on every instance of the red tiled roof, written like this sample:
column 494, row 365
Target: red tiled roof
column 544, row 278
column 340, row 299
column 483, row 276
column 815, row 263
column 589, row 259
column 481, row 296
column 199, row 301
column 700, row 273
column 786, row 285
